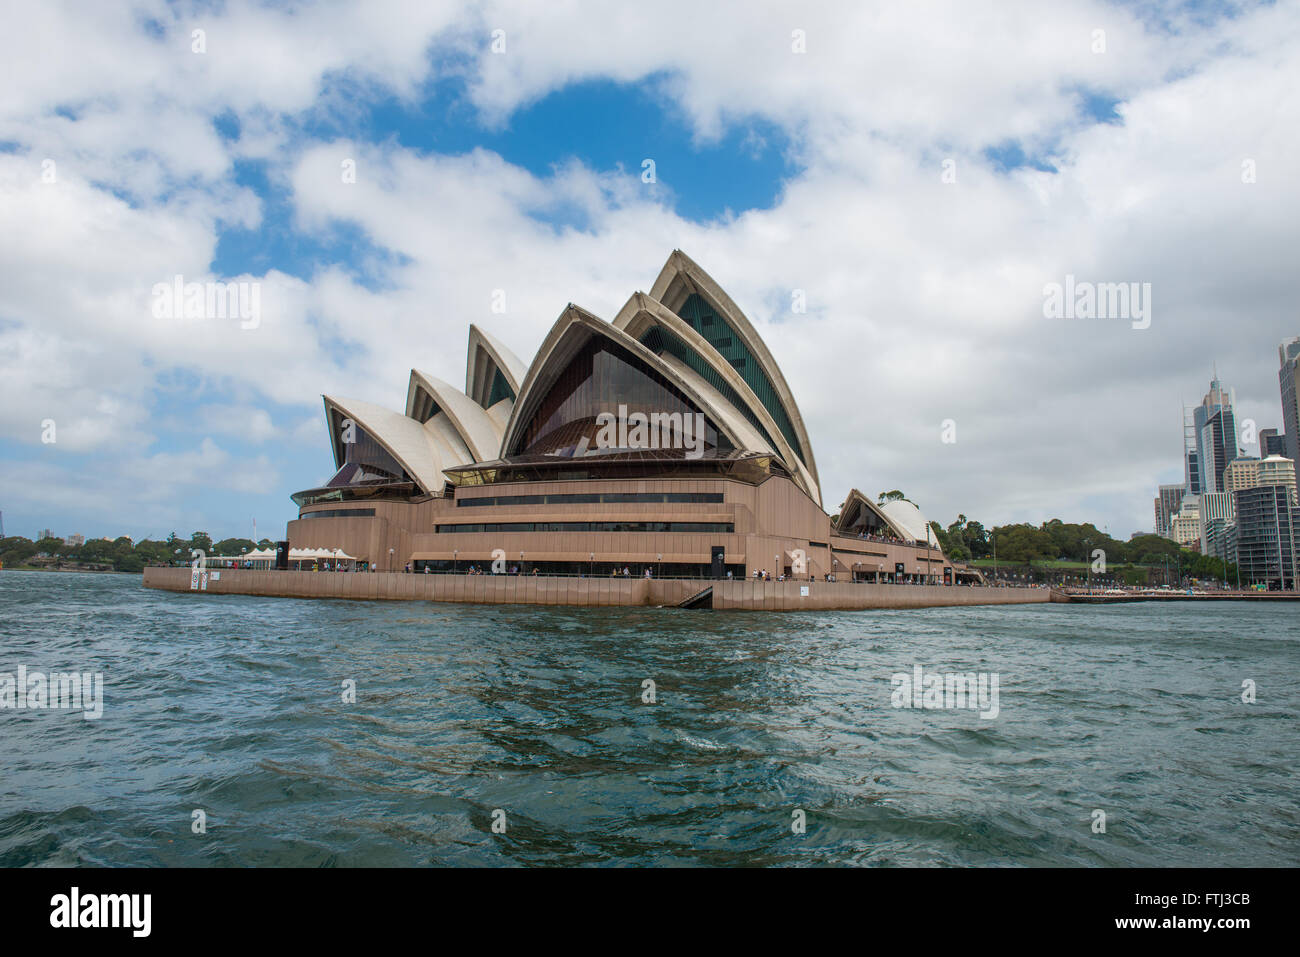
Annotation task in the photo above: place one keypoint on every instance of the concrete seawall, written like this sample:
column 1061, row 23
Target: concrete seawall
column 528, row 590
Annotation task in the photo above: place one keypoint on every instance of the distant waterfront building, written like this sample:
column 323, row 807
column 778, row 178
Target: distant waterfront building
column 1167, row 501
column 1218, row 447
column 76, row 541
column 1288, row 355
column 1191, row 460
column 1276, row 470
column 1185, row 528
column 1216, row 436
column 1221, row 539
column 1241, row 473
column 1215, row 507
column 44, row 533
column 1268, row 527
column 1251, row 473
column 1271, row 442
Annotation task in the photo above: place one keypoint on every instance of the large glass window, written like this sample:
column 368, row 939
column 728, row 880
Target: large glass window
column 697, row 312
column 364, row 459
column 696, row 527
column 602, row 377
column 500, row 389
column 593, row 499
column 659, row 340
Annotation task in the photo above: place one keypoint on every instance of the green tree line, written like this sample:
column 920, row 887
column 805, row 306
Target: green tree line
column 120, row 553
column 1024, row 544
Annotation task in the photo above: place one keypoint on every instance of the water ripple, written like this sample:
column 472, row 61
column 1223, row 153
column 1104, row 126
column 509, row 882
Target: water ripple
column 235, row 706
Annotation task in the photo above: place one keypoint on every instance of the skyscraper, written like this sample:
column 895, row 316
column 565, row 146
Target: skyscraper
column 1271, row 442
column 1216, row 435
column 1215, row 507
column 1167, row 501
column 1288, row 354
column 1191, row 461
column 1218, row 447
column 1267, row 530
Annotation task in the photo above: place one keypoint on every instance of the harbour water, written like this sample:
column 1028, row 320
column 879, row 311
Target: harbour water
column 536, row 717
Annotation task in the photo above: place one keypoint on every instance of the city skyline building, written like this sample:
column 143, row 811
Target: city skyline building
column 1185, row 527
column 1288, row 355
column 1214, row 507
column 1277, row 470
column 1216, row 435
column 1167, row 502
column 1271, row 442
column 1191, row 461
column 1267, row 530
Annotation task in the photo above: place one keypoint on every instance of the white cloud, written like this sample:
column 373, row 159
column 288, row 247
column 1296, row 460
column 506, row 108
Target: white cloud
column 924, row 297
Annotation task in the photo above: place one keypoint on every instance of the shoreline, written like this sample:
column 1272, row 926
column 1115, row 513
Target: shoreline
column 723, row 594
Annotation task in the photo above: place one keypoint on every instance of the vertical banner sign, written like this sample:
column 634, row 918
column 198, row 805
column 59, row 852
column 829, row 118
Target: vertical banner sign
column 203, row 581
column 947, row 575
column 194, row 579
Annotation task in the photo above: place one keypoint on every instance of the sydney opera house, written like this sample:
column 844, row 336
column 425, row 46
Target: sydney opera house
column 665, row 442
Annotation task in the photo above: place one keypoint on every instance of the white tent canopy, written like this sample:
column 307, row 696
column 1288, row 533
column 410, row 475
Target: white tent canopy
column 300, row 555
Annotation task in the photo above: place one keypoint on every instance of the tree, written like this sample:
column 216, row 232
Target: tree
column 1023, row 544
column 233, row 546
column 893, row 495
column 155, row 553
column 976, row 539
column 15, row 550
column 129, row 563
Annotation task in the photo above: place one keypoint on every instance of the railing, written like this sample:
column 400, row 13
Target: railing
column 621, row 577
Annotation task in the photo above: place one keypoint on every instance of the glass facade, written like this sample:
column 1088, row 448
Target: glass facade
column 601, row 378
column 500, row 389
column 749, row 468
column 424, row 408
column 707, row 322
column 591, row 569
column 860, row 521
column 697, row 527
column 369, row 459
column 683, row 498
column 659, row 341
column 367, row 470
column 1268, row 535
column 340, row 513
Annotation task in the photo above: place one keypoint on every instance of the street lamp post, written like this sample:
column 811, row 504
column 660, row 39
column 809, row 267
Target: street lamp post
column 994, row 539
column 1086, row 553
column 659, row 566
column 455, row 563
column 390, row 559
column 591, row 564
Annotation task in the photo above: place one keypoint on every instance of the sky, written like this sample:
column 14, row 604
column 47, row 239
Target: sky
column 920, row 173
